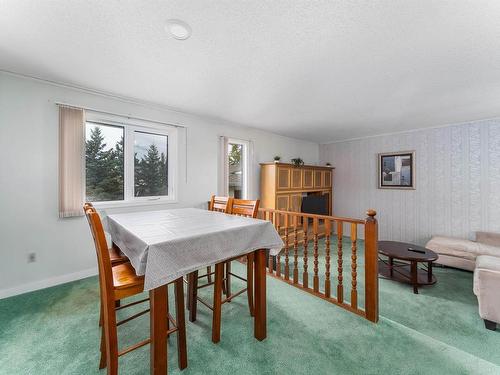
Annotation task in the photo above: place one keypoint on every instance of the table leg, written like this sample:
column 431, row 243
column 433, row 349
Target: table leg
column 429, row 272
column 414, row 276
column 181, row 322
column 158, row 327
column 260, row 325
column 391, row 267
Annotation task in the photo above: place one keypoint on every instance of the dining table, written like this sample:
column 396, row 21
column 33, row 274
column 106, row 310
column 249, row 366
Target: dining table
column 165, row 245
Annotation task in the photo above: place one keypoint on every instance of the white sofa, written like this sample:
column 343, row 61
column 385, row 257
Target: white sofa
column 460, row 253
column 481, row 256
column 487, row 289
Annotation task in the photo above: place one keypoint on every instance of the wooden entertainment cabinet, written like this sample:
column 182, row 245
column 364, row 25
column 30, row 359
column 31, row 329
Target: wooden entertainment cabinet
column 283, row 185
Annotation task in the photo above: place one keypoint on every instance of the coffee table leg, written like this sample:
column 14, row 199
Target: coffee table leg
column 391, row 267
column 414, row 276
column 429, row 272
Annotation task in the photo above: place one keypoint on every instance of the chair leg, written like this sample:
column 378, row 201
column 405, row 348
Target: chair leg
column 168, row 320
column 188, row 292
column 216, row 317
column 110, row 331
column 102, row 361
column 250, row 258
column 181, row 323
column 209, row 276
column 100, row 313
column 228, row 279
column 193, row 297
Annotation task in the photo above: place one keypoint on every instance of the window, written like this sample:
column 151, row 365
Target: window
column 104, row 166
column 237, row 159
column 128, row 162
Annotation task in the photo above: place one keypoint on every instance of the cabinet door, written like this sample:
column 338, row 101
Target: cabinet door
column 318, row 179
column 296, row 178
column 307, row 179
column 327, row 179
column 283, row 178
column 329, row 198
column 295, row 202
column 283, row 202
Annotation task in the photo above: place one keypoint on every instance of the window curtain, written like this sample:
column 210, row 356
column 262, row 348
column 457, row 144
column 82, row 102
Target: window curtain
column 251, row 165
column 223, row 170
column 71, row 161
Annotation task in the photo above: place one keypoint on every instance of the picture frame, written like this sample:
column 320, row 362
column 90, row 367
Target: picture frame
column 396, row 170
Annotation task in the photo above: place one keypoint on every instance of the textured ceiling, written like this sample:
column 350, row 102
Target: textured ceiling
column 317, row 70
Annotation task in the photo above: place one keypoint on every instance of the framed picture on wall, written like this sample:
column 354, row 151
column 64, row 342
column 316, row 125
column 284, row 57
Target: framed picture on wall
column 396, row 170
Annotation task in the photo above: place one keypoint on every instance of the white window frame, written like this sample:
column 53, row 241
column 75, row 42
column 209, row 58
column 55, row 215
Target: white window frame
column 246, row 165
column 130, row 126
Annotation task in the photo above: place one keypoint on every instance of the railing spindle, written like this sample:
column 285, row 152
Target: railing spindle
column 295, row 250
column 315, row 255
column 327, row 258
column 305, row 274
column 340, row 286
column 354, row 273
column 287, row 267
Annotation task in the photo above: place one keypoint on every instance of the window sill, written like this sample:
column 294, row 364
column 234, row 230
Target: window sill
column 153, row 202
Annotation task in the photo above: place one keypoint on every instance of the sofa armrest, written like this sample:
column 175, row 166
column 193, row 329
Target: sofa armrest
column 486, row 284
column 488, row 238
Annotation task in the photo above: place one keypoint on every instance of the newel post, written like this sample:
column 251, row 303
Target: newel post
column 371, row 266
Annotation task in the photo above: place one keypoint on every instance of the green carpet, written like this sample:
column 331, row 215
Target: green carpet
column 439, row 331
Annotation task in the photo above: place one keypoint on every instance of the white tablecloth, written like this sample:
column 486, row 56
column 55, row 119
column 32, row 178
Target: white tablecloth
column 165, row 245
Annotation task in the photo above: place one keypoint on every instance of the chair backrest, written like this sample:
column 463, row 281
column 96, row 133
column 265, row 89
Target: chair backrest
column 221, row 204
column 102, row 252
column 243, row 207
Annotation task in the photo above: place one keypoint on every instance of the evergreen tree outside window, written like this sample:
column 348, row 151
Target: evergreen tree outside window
column 150, row 165
column 104, row 163
column 128, row 163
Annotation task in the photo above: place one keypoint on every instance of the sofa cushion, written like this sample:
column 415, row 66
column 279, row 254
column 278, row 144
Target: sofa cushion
column 488, row 238
column 484, row 263
column 461, row 248
column 488, row 263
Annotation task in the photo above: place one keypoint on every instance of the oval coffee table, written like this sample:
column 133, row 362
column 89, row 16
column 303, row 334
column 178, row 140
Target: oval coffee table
column 407, row 270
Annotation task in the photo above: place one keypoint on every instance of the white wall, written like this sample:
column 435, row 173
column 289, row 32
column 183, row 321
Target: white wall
column 28, row 177
column 457, row 180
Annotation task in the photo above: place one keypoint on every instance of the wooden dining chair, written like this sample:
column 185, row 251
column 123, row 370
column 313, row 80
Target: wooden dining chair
column 222, row 277
column 218, row 204
column 115, row 254
column 119, row 282
column 246, row 208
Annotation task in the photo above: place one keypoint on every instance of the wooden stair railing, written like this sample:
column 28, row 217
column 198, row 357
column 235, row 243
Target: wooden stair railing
column 301, row 231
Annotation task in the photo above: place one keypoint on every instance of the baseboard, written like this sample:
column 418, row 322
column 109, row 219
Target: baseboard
column 47, row 283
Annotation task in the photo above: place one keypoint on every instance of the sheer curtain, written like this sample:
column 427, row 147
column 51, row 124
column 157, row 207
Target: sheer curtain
column 223, row 170
column 71, row 161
